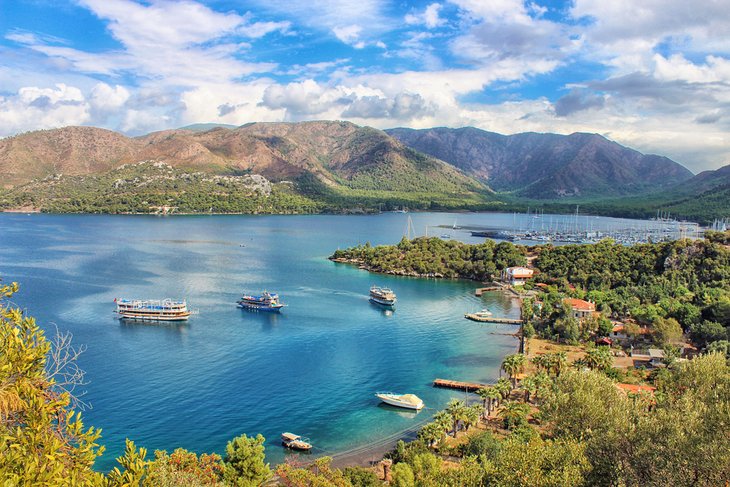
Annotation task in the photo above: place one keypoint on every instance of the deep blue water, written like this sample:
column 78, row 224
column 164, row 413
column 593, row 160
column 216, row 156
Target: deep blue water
column 311, row 370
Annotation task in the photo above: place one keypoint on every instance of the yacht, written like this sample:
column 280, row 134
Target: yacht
column 408, row 401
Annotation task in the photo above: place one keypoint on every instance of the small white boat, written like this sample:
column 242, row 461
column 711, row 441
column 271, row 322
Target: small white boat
column 408, row 401
column 483, row 315
column 295, row 442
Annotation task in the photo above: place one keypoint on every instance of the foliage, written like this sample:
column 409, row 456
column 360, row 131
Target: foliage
column 42, row 441
column 361, row 477
column 244, row 462
column 514, row 414
column 538, row 463
column 678, row 437
column 134, row 466
column 433, row 257
column 318, row 474
column 183, row 468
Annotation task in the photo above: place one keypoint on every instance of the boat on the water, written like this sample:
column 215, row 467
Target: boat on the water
column 483, row 315
column 382, row 295
column 265, row 302
column 295, row 442
column 152, row 310
column 408, row 401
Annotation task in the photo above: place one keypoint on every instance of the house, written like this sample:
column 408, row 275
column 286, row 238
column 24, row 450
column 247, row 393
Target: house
column 656, row 356
column 517, row 276
column 581, row 309
column 653, row 357
column 619, row 334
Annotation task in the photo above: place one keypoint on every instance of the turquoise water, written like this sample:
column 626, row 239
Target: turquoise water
column 311, row 370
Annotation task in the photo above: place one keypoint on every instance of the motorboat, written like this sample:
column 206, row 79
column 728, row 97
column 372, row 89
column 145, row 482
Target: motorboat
column 408, row 401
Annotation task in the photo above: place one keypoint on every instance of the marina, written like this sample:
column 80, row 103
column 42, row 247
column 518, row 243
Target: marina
column 540, row 228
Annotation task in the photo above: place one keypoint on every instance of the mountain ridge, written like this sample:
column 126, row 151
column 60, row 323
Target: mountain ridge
column 544, row 165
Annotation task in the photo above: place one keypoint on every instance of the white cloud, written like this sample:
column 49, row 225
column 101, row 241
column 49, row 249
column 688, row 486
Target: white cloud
column 624, row 33
column 105, row 98
column 349, row 34
column 429, row 17
column 33, row 108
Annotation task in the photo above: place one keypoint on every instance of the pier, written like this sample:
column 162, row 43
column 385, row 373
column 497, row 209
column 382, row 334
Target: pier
column 506, row 321
column 483, row 290
column 455, row 384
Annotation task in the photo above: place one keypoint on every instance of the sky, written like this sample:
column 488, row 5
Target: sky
column 650, row 74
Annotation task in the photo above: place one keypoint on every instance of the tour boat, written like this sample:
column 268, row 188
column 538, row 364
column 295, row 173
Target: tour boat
column 152, row 310
column 295, row 442
column 483, row 315
column 266, row 302
column 408, row 401
column 382, row 295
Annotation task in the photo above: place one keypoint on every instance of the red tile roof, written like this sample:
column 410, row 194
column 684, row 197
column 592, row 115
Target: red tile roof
column 581, row 305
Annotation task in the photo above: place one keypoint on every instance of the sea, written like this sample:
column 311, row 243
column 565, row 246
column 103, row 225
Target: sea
column 312, row 369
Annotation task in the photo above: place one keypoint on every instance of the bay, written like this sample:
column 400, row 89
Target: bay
column 312, row 370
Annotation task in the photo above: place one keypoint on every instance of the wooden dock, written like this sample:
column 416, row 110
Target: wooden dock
column 455, row 384
column 483, row 290
column 506, row 321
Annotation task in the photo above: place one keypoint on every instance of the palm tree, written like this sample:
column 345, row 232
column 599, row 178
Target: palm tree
column 443, row 420
column 431, row 433
column 598, row 358
column 472, row 413
column 457, row 410
column 486, row 401
column 514, row 364
column 530, row 387
column 560, row 362
column 494, row 395
column 514, row 414
column 504, row 386
column 541, row 362
column 542, row 382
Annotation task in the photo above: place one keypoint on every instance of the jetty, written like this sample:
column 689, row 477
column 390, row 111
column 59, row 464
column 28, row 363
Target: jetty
column 491, row 319
column 455, row 384
column 483, row 290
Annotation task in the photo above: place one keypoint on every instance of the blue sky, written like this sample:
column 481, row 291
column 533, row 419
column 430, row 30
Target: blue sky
column 654, row 75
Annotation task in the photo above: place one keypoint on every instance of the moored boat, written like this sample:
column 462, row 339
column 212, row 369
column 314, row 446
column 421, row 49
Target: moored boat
column 483, row 315
column 382, row 295
column 152, row 310
column 295, row 442
column 408, row 401
column 265, row 302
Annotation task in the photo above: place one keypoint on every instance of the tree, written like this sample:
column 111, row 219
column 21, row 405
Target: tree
column 134, row 464
column 319, row 474
column 403, row 476
column 539, row 463
column 431, row 433
column 244, row 462
column 514, row 414
column 183, row 468
column 513, row 365
column 457, row 410
column 666, row 331
column 707, row 332
column 598, row 358
column 42, row 441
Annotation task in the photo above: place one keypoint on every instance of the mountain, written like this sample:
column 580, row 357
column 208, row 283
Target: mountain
column 546, row 166
column 339, row 163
